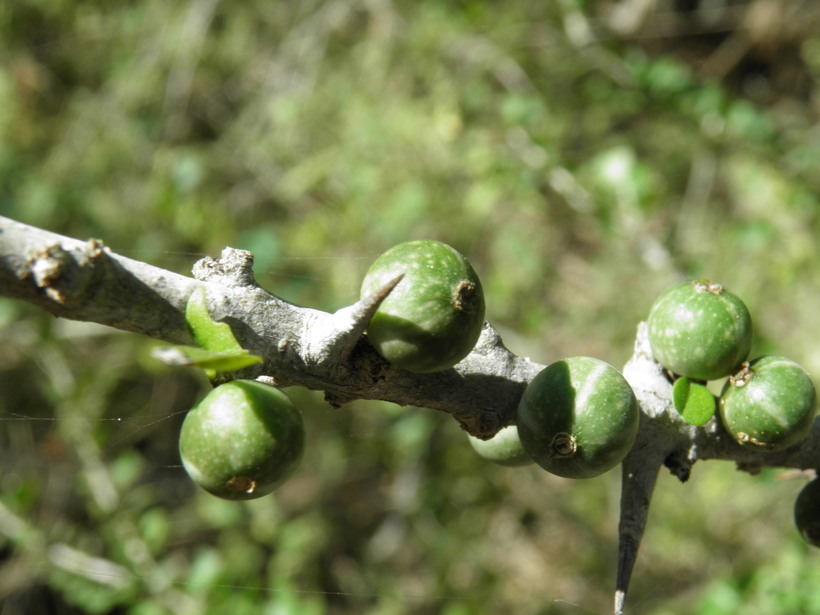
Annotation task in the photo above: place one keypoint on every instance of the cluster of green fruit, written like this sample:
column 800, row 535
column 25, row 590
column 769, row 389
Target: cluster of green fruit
column 699, row 331
column 578, row 418
column 244, row 439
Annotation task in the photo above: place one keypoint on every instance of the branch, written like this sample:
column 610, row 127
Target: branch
column 300, row 346
column 329, row 352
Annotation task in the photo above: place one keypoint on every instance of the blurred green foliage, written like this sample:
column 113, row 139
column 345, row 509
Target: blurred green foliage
column 581, row 172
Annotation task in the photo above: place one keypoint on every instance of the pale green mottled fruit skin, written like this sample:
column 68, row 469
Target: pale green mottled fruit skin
column 700, row 330
column 242, row 441
column 583, row 398
column 768, row 405
column 504, row 448
column 807, row 513
column 433, row 317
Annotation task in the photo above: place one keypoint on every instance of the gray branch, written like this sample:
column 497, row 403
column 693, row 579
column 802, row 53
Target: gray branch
column 84, row 280
column 329, row 352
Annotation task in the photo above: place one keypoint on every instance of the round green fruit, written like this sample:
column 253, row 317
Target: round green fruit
column 578, row 418
column 242, row 440
column 504, row 448
column 769, row 404
column 700, row 330
column 433, row 317
column 807, row 512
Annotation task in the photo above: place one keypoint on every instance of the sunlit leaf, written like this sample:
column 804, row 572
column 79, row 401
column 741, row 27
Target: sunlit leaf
column 693, row 401
column 208, row 333
column 191, row 356
column 217, row 349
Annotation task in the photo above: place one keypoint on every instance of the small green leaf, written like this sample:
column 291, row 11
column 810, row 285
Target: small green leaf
column 680, row 393
column 191, row 356
column 217, row 349
column 210, row 361
column 694, row 401
column 207, row 332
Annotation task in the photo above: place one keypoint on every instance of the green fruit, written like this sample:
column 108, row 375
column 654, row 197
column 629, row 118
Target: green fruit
column 242, row 440
column 433, row 317
column 700, row 330
column 504, row 448
column 807, row 512
column 578, row 418
column 769, row 404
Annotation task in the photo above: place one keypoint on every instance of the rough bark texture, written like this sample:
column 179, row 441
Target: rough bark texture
column 329, row 352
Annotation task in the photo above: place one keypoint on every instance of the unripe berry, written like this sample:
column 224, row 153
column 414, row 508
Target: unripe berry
column 578, row 418
column 242, row 440
column 807, row 512
column 433, row 317
column 504, row 448
column 700, row 330
column 768, row 404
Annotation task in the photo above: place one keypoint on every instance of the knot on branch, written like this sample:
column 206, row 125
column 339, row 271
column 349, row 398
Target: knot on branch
column 62, row 272
column 234, row 268
column 680, row 465
column 482, row 425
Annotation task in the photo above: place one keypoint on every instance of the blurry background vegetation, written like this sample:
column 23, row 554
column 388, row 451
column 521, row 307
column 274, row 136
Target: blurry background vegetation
column 583, row 154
